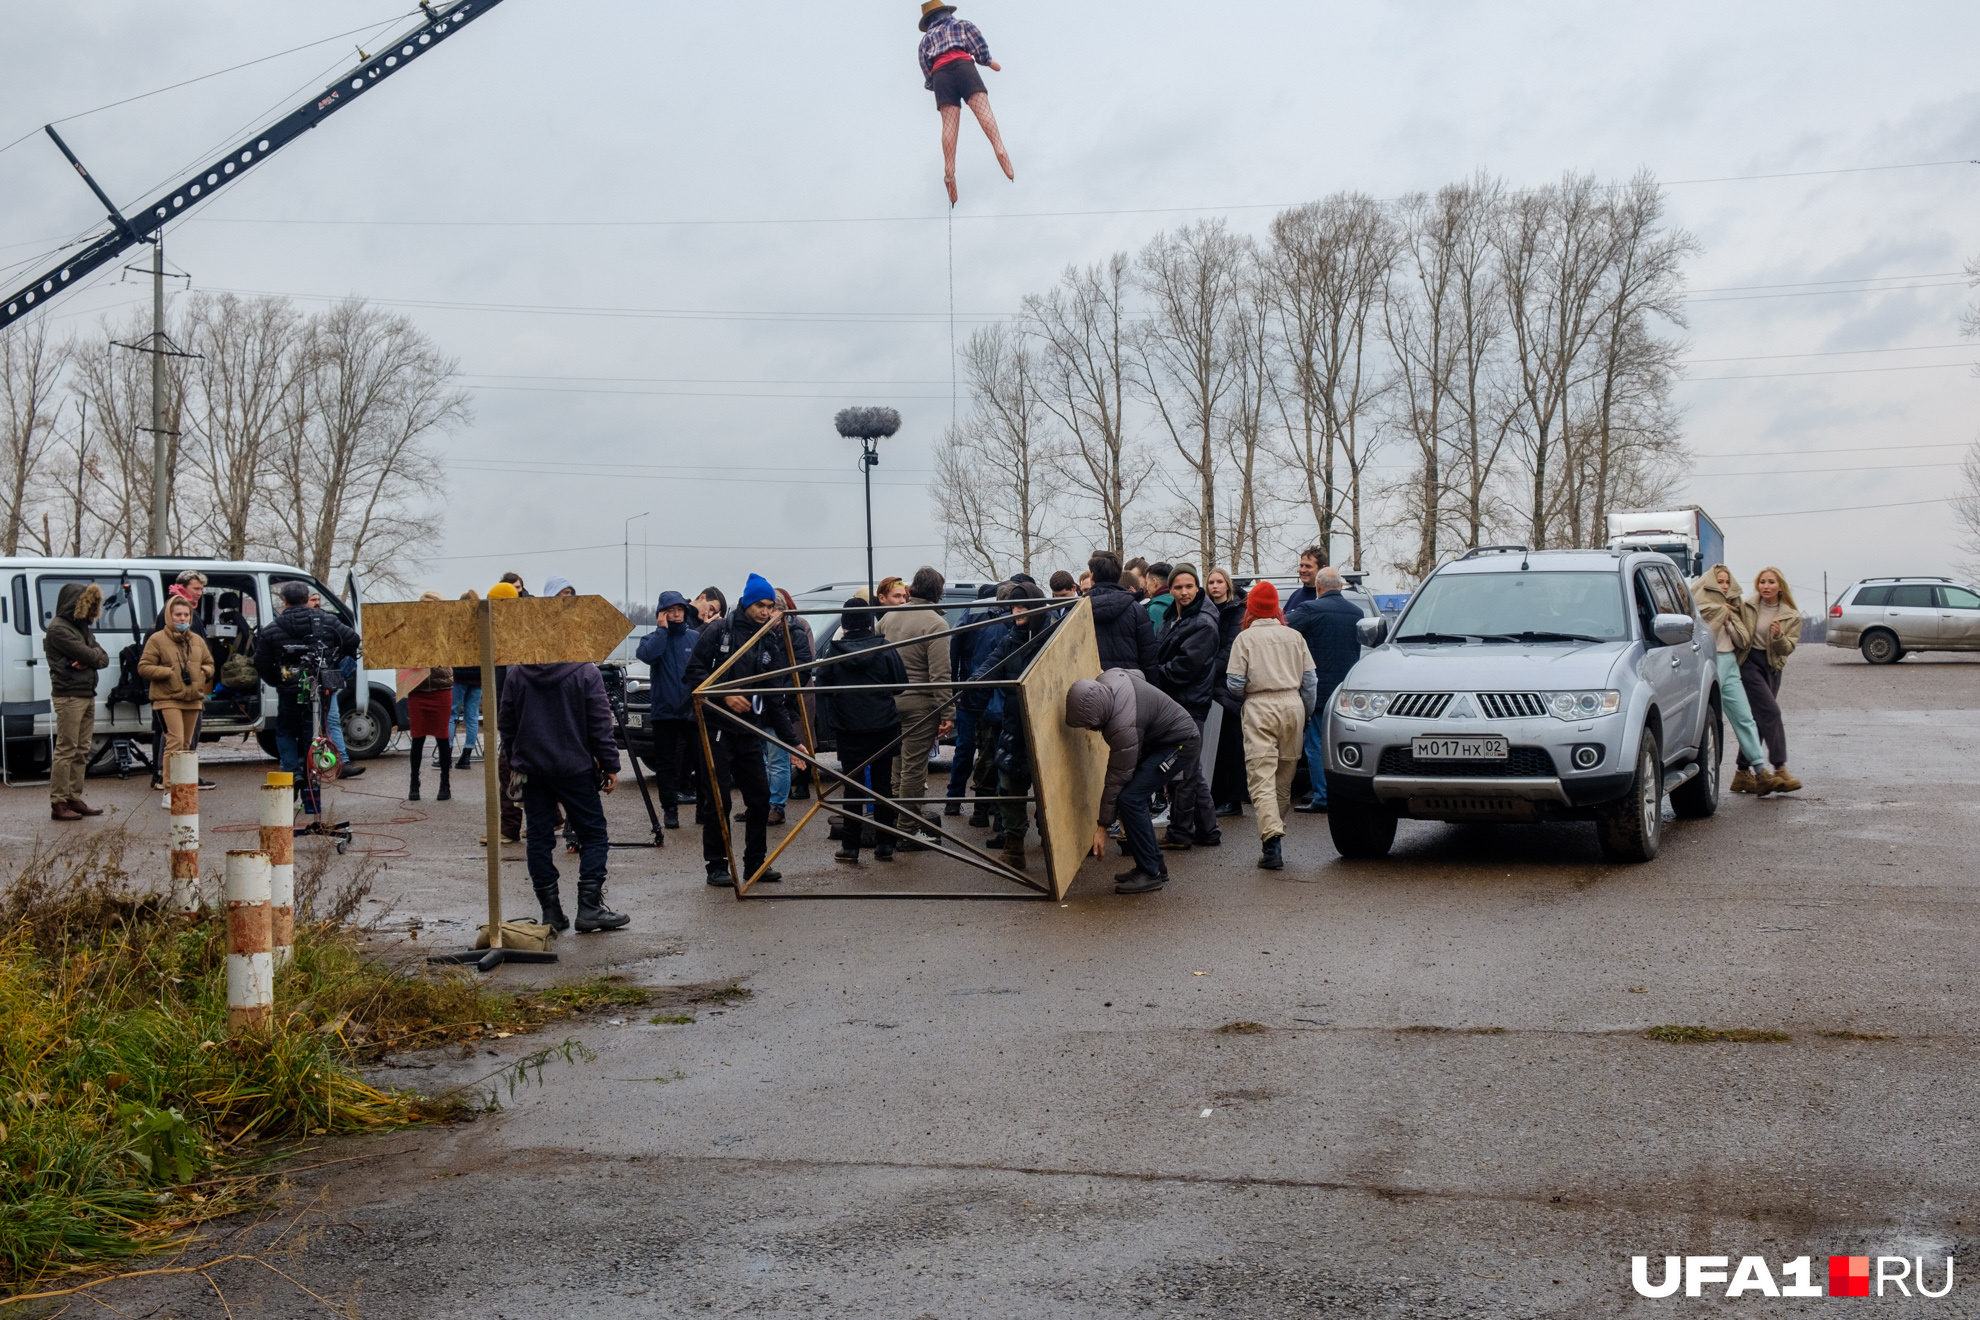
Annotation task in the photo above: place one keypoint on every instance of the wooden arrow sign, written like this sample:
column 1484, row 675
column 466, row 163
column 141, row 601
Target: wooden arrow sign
column 539, row 630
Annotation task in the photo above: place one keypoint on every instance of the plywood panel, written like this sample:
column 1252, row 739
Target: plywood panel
column 540, row 630
column 1069, row 766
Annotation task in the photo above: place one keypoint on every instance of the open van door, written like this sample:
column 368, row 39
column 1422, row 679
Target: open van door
column 354, row 597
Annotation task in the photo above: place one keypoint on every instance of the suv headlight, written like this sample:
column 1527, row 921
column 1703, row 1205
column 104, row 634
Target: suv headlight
column 1582, row 705
column 1362, row 705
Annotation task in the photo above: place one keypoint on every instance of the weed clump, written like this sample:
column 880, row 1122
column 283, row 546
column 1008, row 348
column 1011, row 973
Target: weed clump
column 1679, row 1035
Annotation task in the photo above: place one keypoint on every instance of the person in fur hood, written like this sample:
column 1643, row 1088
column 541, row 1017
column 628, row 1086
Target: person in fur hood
column 1717, row 594
column 74, row 659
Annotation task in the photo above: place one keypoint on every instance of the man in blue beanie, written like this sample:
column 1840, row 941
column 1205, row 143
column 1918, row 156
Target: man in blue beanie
column 670, row 712
column 736, row 745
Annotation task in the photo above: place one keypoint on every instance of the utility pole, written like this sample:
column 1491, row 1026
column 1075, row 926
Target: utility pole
column 160, row 451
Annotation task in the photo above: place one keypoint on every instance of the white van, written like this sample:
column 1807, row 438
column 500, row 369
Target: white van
column 239, row 598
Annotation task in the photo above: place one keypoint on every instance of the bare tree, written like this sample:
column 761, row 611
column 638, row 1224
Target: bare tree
column 1080, row 330
column 993, row 484
column 355, row 469
column 30, row 375
column 246, row 365
column 1259, row 384
column 114, row 386
column 1966, row 509
column 1183, row 353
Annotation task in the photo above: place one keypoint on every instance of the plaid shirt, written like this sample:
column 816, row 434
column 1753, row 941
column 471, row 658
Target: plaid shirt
column 951, row 33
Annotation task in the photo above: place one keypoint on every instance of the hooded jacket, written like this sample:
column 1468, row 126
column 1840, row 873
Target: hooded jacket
column 1328, row 623
column 1121, row 629
column 1186, row 655
column 1777, row 649
column 1135, row 719
column 179, row 669
column 666, row 651
column 1721, row 609
column 718, row 640
column 969, row 651
column 70, row 647
column 298, row 623
column 556, row 721
column 863, row 663
column 1017, row 645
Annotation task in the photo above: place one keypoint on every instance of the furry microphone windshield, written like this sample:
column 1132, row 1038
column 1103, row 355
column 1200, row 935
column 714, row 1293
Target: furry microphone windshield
column 867, row 423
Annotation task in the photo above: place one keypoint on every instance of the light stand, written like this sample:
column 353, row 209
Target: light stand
column 869, row 426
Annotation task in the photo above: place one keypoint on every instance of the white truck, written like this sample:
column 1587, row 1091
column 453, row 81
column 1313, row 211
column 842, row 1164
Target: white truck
column 239, row 599
column 1687, row 535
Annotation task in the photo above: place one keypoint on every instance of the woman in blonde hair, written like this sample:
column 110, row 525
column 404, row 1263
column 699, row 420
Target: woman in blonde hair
column 1718, row 600
column 1772, row 623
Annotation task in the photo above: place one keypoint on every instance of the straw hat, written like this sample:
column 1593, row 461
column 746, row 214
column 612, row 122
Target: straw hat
column 932, row 10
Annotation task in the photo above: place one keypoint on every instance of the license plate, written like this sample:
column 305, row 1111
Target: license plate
column 635, row 721
column 1486, row 748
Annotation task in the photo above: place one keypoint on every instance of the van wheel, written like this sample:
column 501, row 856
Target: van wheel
column 1361, row 830
column 1698, row 797
column 1881, row 648
column 1631, row 828
column 367, row 731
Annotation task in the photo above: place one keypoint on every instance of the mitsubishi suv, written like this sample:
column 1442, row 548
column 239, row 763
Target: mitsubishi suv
column 1530, row 686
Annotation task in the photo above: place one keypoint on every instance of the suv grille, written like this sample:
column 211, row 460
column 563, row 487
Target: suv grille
column 1520, row 763
column 1511, row 705
column 1420, row 705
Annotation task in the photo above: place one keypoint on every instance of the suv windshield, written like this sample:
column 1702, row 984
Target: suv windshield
column 1512, row 606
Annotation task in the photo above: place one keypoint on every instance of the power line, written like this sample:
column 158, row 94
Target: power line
column 656, row 545
column 1847, row 508
column 1809, row 472
column 1832, row 352
column 1833, row 371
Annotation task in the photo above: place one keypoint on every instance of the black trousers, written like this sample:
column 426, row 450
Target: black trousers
column 1763, row 687
column 677, row 760
column 1227, row 780
column 856, row 746
column 737, row 764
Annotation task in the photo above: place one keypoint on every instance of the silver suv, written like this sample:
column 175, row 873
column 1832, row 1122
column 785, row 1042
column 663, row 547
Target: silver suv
column 1525, row 686
column 1888, row 617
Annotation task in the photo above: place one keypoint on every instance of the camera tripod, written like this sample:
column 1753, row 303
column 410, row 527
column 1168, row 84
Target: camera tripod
column 319, row 754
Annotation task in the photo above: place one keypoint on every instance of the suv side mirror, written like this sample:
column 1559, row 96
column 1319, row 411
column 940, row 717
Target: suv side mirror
column 1372, row 632
column 1673, row 629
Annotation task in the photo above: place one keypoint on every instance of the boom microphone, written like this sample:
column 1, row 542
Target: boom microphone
column 867, row 423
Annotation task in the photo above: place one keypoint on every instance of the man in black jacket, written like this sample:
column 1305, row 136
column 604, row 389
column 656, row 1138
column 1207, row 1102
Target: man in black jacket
column 1121, row 627
column 1017, row 646
column 967, row 651
column 556, row 724
column 279, row 653
column 868, row 724
column 736, row 744
column 1185, row 660
column 1329, row 623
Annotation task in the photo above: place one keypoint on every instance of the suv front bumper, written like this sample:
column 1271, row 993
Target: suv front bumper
column 1388, row 775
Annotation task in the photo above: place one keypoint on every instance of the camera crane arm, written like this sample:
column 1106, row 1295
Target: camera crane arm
column 438, row 22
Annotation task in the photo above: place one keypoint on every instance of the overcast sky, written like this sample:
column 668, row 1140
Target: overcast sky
column 797, row 154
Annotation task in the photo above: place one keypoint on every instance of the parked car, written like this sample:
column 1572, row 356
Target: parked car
column 1530, row 686
column 1887, row 618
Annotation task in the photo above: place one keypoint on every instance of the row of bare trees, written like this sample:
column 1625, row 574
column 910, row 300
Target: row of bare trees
column 307, row 438
column 1419, row 376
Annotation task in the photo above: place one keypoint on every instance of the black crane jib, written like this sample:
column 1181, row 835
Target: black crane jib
column 440, row 22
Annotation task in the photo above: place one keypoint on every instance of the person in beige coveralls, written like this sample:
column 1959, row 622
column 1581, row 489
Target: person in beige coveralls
column 1272, row 672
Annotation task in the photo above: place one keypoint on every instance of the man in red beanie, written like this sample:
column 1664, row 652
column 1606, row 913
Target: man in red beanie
column 1271, row 672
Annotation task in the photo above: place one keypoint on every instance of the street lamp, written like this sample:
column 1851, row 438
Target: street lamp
column 869, row 426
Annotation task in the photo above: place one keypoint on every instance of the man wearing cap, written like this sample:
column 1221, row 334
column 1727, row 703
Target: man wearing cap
column 735, row 741
column 1271, row 672
column 951, row 48
column 670, row 712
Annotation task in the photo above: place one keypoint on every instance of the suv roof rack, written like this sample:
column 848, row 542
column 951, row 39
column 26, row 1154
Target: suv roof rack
column 1478, row 550
column 1906, row 577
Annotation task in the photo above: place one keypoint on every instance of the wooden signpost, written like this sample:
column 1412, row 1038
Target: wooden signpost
column 537, row 630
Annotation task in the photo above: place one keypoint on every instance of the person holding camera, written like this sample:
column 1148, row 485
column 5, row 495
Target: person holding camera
column 298, row 643
column 180, row 670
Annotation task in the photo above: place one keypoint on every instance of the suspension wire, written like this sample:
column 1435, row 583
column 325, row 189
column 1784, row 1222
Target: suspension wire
column 953, row 392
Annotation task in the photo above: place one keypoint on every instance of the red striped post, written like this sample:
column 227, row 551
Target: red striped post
column 182, row 784
column 250, row 968
column 278, row 840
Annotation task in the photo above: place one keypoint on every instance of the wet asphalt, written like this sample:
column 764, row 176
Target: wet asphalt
column 1413, row 1088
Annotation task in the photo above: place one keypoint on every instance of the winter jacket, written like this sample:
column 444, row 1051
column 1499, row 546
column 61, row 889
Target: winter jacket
column 1721, row 610
column 970, row 651
column 1186, row 656
column 1230, row 622
column 439, row 678
column 179, row 668
column 299, row 623
column 1158, row 608
column 1016, row 647
column 1269, row 657
column 1121, row 629
column 1298, row 596
column 927, row 658
column 1329, row 623
column 770, row 702
column 70, row 647
column 468, row 676
column 1135, row 718
column 1778, row 649
column 556, row 721
column 667, row 650
column 860, row 712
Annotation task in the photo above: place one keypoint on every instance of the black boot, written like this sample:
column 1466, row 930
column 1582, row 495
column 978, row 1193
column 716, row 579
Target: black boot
column 1272, row 859
column 671, row 820
column 592, row 912
column 446, row 793
column 418, row 752
column 553, row 906
column 462, row 764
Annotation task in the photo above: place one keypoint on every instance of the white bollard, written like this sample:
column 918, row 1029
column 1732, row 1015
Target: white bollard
column 278, row 840
column 250, row 968
column 182, row 785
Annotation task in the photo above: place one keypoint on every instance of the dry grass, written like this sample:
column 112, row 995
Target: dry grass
column 1680, row 1035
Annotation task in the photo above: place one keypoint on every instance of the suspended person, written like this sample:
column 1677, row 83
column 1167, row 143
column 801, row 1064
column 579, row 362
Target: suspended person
column 1227, row 775
column 951, row 48
column 1185, row 662
column 1271, row 671
column 1149, row 739
column 868, row 724
column 430, row 714
column 1330, row 624
column 735, row 745
column 74, row 659
column 670, row 712
column 1717, row 594
column 1773, row 626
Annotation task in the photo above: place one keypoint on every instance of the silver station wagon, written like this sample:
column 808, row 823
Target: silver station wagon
column 1888, row 618
column 1530, row 686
